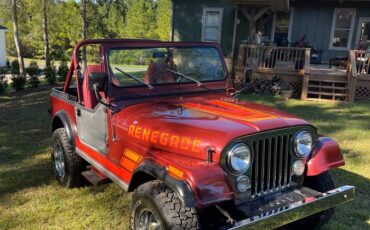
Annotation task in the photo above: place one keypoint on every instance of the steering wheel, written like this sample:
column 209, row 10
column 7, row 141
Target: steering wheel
column 192, row 75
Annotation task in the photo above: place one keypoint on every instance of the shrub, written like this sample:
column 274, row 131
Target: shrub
column 3, row 81
column 33, row 72
column 18, row 80
column 62, row 71
column 8, row 64
column 14, row 67
column 50, row 74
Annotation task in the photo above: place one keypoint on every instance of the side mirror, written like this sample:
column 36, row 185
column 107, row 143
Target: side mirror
column 97, row 80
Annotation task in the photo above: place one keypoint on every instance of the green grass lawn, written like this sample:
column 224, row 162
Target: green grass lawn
column 27, row 61
column 30, row 198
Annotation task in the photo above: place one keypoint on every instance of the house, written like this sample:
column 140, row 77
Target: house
column 332, row 26
column 2, row 46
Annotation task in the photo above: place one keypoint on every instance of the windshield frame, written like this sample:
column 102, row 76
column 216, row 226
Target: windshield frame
column 154, row 45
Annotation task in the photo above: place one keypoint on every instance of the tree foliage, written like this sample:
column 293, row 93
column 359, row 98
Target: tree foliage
column 148, row 19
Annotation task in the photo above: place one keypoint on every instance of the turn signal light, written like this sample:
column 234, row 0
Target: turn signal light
column 175, row 172
column 298, row 167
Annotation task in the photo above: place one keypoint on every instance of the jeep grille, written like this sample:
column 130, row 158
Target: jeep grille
column 271, row 169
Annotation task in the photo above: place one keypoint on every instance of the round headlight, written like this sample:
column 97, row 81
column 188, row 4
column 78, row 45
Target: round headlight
column 239, row 158
column 303, row 143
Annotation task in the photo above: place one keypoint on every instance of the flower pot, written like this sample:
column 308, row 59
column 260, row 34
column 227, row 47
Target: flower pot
column 286, row 94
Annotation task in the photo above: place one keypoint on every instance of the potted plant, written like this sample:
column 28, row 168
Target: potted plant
column 275, row 85
column 286, row 91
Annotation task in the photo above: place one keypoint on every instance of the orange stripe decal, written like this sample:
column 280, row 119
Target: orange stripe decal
column 230, row 110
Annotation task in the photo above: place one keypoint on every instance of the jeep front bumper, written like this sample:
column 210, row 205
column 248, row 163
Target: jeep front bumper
column 292, row 206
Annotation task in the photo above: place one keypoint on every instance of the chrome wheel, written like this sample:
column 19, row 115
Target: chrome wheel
column 148, row 221
column 58, row 159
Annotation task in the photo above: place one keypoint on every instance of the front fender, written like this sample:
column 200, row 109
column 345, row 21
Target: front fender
column 326, row 155
column 202, row 184
column 61, row 119
column 179, row 186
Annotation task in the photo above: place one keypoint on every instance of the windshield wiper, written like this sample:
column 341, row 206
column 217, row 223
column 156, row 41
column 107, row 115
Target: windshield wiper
column 185, row 76
column 135, row 78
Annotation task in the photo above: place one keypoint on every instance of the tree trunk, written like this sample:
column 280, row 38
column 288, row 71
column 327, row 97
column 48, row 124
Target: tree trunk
column 16, row 37
column 84, row 31
column 45, row 31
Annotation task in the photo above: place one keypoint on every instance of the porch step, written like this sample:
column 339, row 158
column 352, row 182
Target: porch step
column 327, row 89
column 328, row 94
column 330, row 81
column 95, row 177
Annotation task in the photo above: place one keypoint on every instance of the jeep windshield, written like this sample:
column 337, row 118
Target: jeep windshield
column 149, row 67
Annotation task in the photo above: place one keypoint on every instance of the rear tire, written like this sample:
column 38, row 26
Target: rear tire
column 321, row 183
column 68, row 166
column 156, row 202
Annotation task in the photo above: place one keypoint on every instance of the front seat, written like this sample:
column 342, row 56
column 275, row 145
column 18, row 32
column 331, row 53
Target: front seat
column 89, row 97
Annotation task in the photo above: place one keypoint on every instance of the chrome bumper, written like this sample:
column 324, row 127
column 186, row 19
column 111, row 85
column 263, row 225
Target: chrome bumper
column 270, row 217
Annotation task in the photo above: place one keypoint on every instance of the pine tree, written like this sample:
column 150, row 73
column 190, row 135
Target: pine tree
column 164, row 13
column 141, row 19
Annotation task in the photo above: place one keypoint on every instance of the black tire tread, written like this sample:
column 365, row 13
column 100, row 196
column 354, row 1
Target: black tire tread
column 74, row 164
column 175, row 214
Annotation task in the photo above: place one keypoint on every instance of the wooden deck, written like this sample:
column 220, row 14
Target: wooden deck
column 325, row 70
column 309, row 82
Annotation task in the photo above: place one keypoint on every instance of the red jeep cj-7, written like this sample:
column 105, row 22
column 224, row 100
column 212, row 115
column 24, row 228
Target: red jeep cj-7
column 157, row 118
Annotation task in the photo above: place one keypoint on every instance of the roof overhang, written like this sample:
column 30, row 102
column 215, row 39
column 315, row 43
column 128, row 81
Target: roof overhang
column 274, row 5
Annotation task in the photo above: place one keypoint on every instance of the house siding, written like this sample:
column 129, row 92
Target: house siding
column 313, row 18
column 187, row 21
column 316, row 24
column 2, row 48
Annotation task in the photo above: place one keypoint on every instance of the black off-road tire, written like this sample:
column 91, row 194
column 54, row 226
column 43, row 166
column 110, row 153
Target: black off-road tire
column 164, row 203
column 74, row 165
column 322, row 183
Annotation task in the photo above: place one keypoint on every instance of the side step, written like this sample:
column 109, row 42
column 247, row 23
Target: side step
column 95, row 177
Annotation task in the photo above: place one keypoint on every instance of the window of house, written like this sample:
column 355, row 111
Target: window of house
column 342, row 28
column 212, row 24
column 282, row 28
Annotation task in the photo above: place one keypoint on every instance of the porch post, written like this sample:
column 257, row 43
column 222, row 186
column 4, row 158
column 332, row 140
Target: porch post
column 252, row 15
column 352, row 76
column 306, row 73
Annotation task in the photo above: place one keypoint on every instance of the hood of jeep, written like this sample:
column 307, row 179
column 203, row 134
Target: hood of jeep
column 189, row 126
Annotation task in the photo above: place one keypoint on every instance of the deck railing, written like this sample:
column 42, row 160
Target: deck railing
column 291, row 64
column 358, row 74
column 362, row 62
column 272, row 58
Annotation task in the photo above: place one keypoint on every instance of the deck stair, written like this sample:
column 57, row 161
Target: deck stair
column 333, row 88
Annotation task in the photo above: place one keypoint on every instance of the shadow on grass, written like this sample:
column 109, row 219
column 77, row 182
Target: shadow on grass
column 354, row 214
column 328, row 117
column 24, row 139
column 28, row 176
